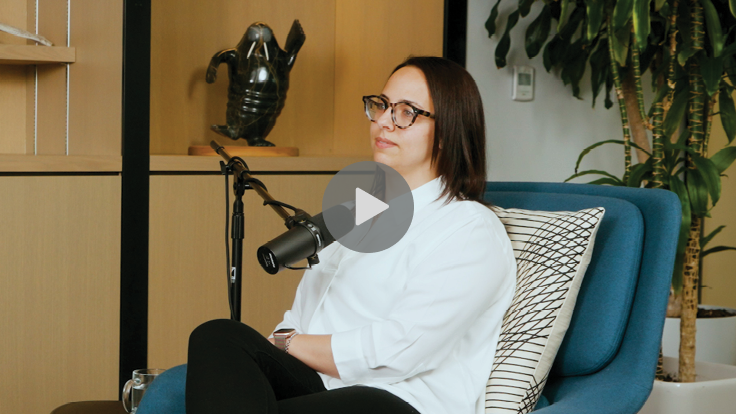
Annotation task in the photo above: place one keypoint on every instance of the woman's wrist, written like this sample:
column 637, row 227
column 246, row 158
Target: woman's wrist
column 316, row 352
column 287, row 342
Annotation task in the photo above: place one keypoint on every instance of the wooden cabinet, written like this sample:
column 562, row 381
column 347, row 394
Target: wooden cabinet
column 61, row 166
column 59, row 290
column 62, row 108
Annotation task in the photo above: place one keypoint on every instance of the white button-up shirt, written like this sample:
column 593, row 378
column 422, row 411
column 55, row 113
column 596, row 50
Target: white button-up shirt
column 422, row 318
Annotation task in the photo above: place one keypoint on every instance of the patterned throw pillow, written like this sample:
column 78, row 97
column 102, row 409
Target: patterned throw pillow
column 552, row 252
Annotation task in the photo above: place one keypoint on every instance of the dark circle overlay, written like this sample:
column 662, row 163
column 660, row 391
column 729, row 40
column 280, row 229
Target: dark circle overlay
column 383, row 230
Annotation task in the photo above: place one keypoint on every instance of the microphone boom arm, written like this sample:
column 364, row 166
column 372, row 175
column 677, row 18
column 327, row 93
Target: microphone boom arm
column 245, row 181
column 242, row 171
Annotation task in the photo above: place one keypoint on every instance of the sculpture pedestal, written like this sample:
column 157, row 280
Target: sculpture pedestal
column 243, row 151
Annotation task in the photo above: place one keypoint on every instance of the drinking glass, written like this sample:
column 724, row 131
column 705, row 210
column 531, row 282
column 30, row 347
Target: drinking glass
column 136, row 387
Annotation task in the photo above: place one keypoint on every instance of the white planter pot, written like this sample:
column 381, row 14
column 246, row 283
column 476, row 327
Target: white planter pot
column 715, row 338
column 713, row 392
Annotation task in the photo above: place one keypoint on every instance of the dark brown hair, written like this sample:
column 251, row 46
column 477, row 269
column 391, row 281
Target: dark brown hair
column 460, row 127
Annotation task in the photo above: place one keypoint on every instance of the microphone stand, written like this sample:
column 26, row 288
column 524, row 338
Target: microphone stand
column 244, row 181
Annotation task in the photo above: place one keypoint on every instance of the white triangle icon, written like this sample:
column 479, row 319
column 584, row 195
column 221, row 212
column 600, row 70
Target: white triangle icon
column 367, row 206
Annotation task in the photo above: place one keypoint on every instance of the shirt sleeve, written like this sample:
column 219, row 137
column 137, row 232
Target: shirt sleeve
column 292, row 317
column 444, row 296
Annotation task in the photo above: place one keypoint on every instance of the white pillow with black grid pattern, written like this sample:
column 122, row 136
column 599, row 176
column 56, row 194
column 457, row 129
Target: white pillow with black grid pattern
column 552, row 252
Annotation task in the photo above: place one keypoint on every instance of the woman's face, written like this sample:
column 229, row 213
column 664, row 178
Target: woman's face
column 408, row 151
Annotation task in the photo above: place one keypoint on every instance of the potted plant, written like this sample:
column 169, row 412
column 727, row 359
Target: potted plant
column 688, row 46
column 715, row 335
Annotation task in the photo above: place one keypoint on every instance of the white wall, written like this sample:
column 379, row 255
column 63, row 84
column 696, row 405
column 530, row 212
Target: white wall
column 538, row 140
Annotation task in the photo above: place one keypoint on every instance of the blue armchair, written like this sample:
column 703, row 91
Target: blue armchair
column 607, row 362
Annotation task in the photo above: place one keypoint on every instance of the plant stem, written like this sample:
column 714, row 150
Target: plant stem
column 621, row 103
column 636, row 65
column 697, row 88
column 637, row 128
column 692, row 251
column 659, row 374
column 671, row 81
column 689, row 302
column 696, row 110
column 658, row 168
column 674, row 303
column 660, row 109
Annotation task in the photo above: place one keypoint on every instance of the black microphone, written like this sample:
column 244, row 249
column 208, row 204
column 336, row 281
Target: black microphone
column 305, row 239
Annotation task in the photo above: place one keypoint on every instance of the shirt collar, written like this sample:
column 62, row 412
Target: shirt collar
column 426, row 193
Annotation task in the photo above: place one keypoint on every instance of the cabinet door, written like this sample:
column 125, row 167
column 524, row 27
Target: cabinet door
column 187, row 269
column 59, row 291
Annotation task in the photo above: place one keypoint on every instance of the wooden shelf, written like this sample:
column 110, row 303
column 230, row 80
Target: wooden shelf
column 169, row 163
column 36, row 55
column 177, row 163
column 59, row 163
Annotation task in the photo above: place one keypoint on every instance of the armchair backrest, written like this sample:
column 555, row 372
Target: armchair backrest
column 621, row 306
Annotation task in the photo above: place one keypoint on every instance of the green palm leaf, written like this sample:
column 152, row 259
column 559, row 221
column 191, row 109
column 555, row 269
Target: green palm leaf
column 724, row 158
column 491, row 22
column 525, row 6
column 728, row 113
column 599, row 172
column 598, row 144
column 705, row 240
column 711, row 176
column 697, row 189
column 502, row 49
column 538, row 32
column 678, row 187
column 638, row 172
column 716, row 250
column 713, row 26
column 641, row 22
column 594, row 9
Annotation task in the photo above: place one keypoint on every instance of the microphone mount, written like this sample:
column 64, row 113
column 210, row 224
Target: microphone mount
column 244, row 181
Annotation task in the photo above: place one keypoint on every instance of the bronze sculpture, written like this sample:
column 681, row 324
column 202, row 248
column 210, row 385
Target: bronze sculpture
column 259, row 78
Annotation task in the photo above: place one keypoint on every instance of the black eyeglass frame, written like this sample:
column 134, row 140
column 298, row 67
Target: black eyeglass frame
column 416, row 110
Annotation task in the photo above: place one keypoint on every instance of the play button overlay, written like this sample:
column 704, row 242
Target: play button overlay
column 367, row 206
column 379, row 202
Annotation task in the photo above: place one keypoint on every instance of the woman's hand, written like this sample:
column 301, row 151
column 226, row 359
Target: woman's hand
column 315, row 351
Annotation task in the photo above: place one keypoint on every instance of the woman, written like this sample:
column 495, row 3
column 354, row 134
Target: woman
column 410, row 329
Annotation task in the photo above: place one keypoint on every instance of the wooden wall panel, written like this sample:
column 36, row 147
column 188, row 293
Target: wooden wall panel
column 188, row 276
column 30, row 114
column 59, row 291
column 95, row 79
column 351, row 47
column 13, row 89
column 13, row 109
column 186, row 34
column 15, row 13
column 718, row 269
column 51, row 129
column 371, row 39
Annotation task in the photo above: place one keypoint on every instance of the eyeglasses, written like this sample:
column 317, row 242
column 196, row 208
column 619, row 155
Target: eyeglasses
column 402, row 113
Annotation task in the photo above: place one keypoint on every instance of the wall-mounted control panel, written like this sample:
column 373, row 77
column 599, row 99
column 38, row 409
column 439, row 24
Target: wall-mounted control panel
column 523, row 87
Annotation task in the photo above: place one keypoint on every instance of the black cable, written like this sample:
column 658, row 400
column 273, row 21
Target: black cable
column 227, row 246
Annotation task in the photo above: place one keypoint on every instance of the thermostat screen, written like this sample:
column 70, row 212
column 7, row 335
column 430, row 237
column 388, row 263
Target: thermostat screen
column 525, row 79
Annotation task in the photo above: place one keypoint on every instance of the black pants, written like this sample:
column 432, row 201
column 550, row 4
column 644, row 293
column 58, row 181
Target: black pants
column 234, row 369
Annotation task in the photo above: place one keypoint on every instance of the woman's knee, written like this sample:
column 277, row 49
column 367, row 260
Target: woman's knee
column 219, row 330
